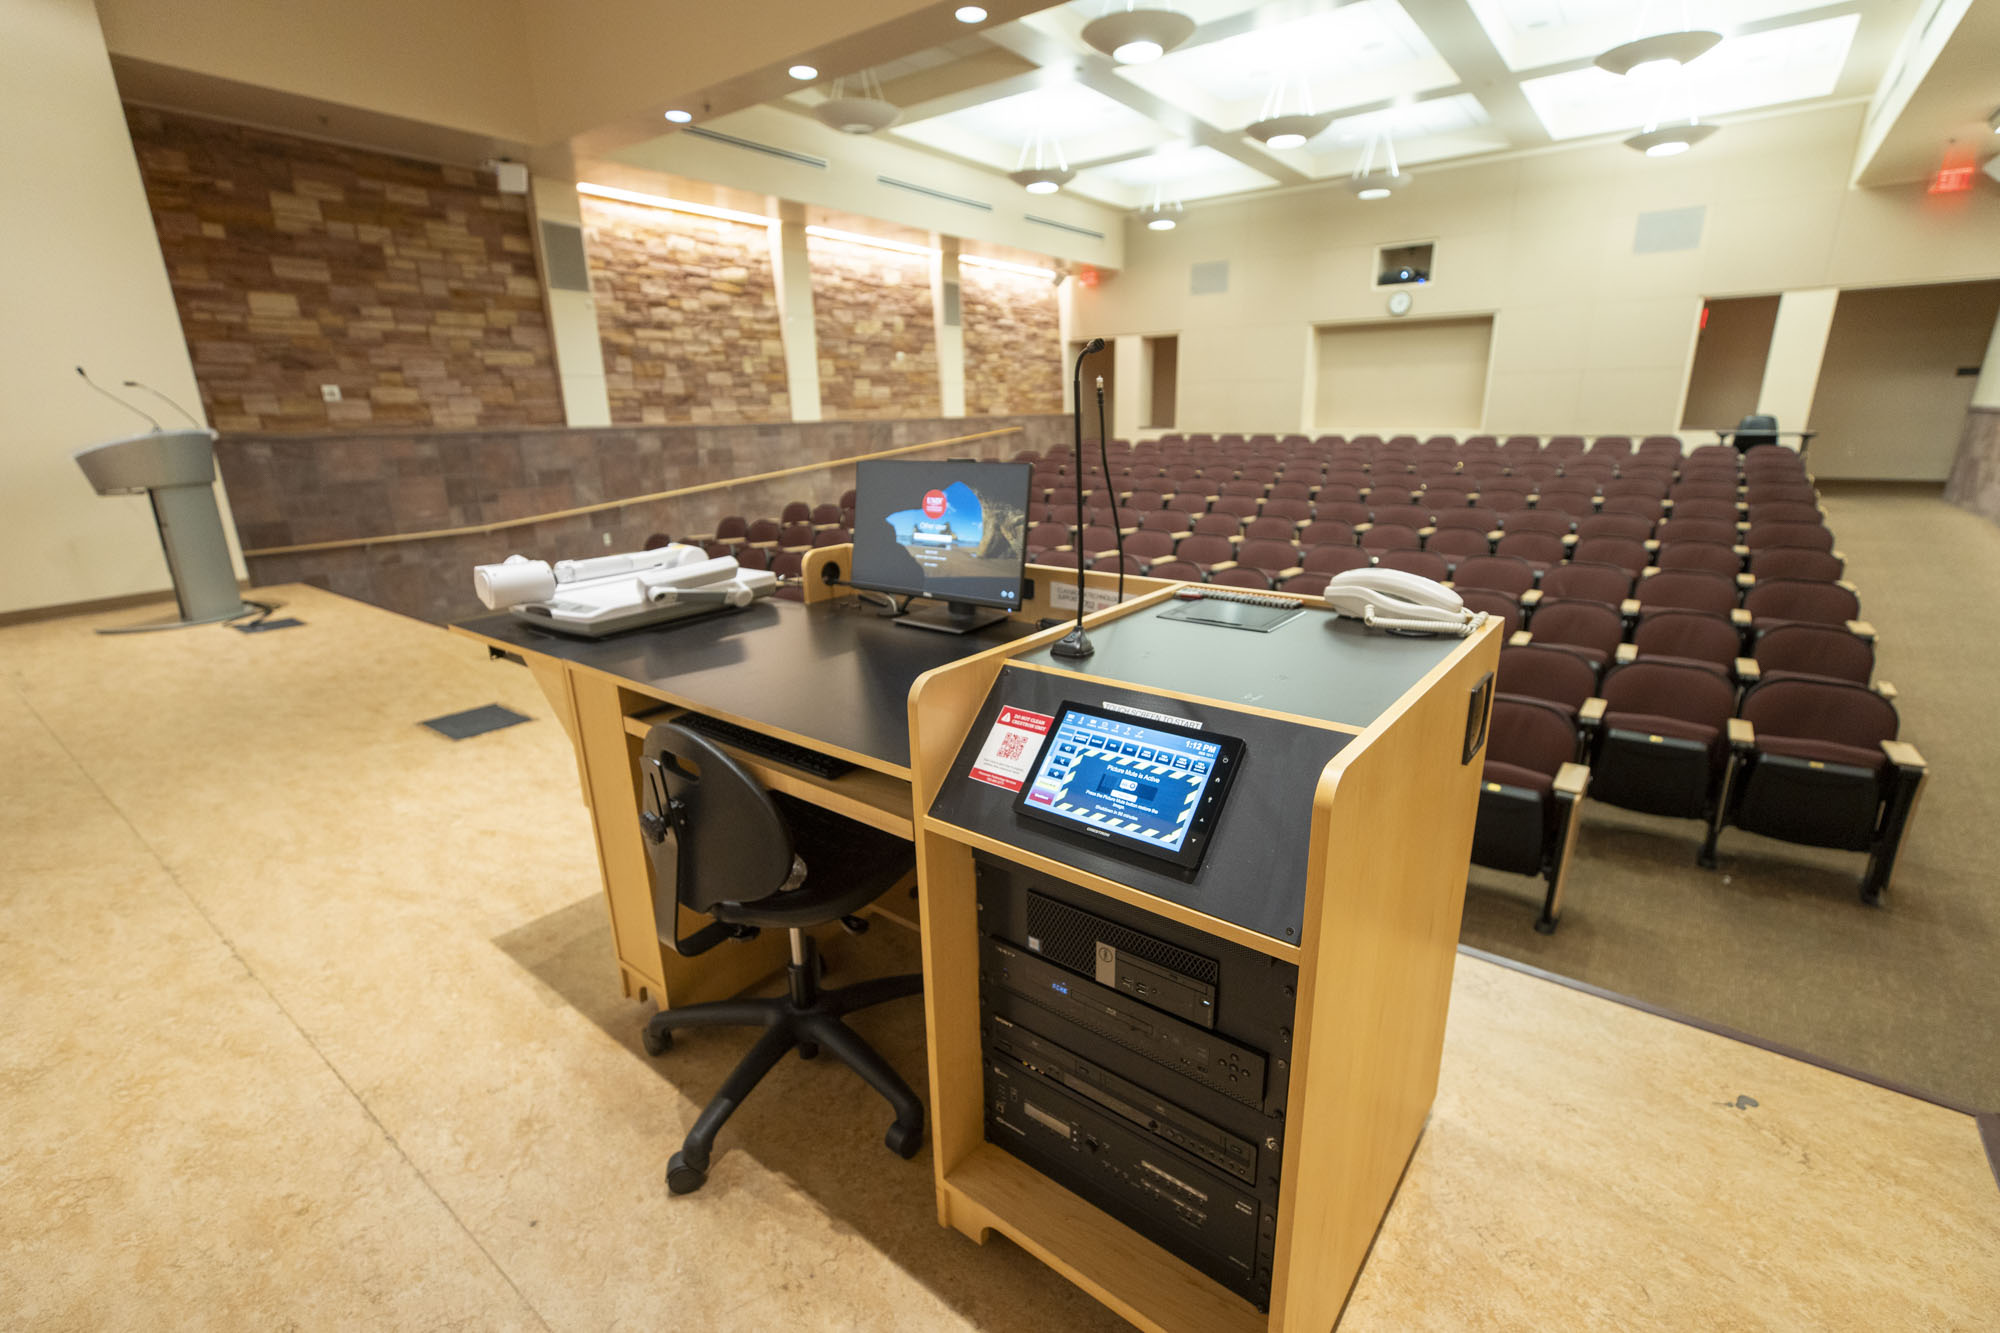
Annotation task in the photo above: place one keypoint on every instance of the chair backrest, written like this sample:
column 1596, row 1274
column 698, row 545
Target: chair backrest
column 1838, row 711
column 1583, row 624
column 1784, row 511
column 1539, row 547
column 1291, row 490
column 1670, row 689
column 1809, row 535
column 1175, row 569
column 763, row 530
column 1500, row 573
column 824, row 514
column 1708, row 557
column 1688, row 590
column 1240, row 577
column 1426, row 563
column 1243, row 506
column 1391, row 537
column 1051, row 534
column 1816, row 650
column 1647, row 486
column 1629, row 526
column 1801, row 599
column 1703, row 490
column 1797, row 562
column 726, row 840
column 1218, row 525
column 1132, row 563
column 1588, row 581
column 1145, row 501
column 1625, row 552
column 833, row 536
column 1481, row 519
column 1335, row 559
column 1678, row 529
column 796, row 534
column 1537, row 671
column 1326, row 532
column 733, row 526
column 1166, row 520
column 798, row 511
column 1299, row 511
column 1695, row 635
column 1536, row 520
column 1458, row 543
column 1204, row 550
column 1270, row 529
column 1496, row 604
column 1716, row 511
column 1150, row 544
column 1405, row 515
column 1097, row 537
column 1269, row 556
column 1503, row 499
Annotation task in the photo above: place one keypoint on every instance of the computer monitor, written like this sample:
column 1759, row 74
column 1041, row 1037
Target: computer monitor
column 954, row 532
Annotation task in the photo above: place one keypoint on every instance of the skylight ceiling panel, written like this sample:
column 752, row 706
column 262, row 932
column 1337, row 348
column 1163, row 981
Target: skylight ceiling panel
column 1530, row 34
column 1087, row 123
column 1430, row 131
column 1176, row 173
column 1364, row 52
column 1742, row 74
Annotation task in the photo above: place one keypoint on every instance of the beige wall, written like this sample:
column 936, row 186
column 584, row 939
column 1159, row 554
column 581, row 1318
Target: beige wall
column 1891, row 405
column 83, row 282
column 1588, row 336
column 1403, row 375
column 461, row 63
column 1729, row 362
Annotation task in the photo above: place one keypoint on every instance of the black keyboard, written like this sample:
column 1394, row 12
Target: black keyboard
column 765, row 747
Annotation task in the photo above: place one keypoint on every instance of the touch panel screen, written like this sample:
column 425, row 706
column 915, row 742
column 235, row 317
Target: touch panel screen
column 1134, row 782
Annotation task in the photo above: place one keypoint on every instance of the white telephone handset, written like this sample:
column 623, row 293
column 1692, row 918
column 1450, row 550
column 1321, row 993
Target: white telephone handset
column 1392, row 599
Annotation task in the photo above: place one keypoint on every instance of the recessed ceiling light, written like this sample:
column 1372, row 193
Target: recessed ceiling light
column 680, row 117
column 969, row 14
column 803, row 73
column 1671, row 141
column 1136, row 36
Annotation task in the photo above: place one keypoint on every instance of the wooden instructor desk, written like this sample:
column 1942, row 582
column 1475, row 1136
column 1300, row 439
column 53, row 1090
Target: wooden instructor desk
column 1387, row 840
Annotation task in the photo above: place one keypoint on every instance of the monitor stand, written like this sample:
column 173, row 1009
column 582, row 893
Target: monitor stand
column 953, row 618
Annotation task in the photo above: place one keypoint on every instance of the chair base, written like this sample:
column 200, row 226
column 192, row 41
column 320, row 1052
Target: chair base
column 807, row 1020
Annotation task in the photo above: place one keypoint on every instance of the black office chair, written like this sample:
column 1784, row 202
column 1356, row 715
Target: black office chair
column 1754, row 430
column 722, row 844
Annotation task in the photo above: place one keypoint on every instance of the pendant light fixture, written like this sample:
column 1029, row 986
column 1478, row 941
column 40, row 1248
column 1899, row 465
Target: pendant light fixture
column 1048, row 172
column 1135, row 34
column 1659, row 55
column 1276, row 127
column 1162, row 214
column 864, row 113
column 1670, row 140
column 1370, row 184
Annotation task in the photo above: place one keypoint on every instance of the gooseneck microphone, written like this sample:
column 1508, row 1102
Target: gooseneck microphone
column 85, row 377
column 1076, row 643
column 1104, row 454
column 147, row 388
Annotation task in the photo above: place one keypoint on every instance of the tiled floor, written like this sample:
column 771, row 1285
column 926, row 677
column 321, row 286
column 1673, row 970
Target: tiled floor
column 310, row 1020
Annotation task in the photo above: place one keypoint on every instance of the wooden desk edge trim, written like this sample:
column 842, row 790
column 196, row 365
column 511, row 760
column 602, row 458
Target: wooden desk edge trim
column 1186, row 916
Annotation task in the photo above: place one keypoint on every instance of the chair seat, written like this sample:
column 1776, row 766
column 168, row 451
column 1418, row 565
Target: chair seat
column 1513, row 775
column 1654, row 724
column 848, row 866
column 1824, row 752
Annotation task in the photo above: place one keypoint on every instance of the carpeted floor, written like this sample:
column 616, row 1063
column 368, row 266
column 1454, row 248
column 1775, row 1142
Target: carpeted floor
column 1776, row 941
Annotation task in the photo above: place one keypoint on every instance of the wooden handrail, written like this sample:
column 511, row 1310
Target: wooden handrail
column 501, row 525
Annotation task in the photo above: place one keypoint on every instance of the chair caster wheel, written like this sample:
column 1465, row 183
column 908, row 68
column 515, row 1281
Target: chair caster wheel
column 682, row 1176
column 808, row 1050
column 904, row 1140
column 657, row 1040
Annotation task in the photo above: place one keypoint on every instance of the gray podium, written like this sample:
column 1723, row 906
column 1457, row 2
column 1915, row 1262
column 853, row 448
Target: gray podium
column 176, row 470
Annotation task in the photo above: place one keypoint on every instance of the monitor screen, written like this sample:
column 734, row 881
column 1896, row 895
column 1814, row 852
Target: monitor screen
column 1132, row 781
column 952, row 531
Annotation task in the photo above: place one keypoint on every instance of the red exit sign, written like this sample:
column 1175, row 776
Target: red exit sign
column 1950, row 180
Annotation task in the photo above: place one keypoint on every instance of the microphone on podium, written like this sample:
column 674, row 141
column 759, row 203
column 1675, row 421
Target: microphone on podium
column 1076, row 643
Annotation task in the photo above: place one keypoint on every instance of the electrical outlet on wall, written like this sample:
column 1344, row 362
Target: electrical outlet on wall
column 330, row 392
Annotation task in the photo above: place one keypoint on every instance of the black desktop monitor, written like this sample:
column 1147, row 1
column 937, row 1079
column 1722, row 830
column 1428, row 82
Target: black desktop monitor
column 951, row 532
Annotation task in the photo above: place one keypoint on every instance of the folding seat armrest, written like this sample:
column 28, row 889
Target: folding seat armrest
column 1742, row 736
column 1652, row 545
column 1903, row 754
column 1746, row 580
column 1667, row 506
column 1291, row 573
column 1494, row 534
column 1742, row 551
column 1098, row 555
column 1838, row 555
column 1532, row 597
column 1571, row 781
column 1629, row 608
column 1427, row 533
column 1237, row 539
column 1129, row 531
column 1627, row 652
column 1847, row 584
column 1360, row 528
column 1592, row 711
column 1747, row 670
column 1740, row 618
column 1226, row 564
column 1649, row 571
column 1569, row 539
column 1520, row 638
column 1534, row 499
column 1861, row 629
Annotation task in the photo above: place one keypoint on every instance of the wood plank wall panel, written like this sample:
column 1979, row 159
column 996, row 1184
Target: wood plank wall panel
column 295, row 264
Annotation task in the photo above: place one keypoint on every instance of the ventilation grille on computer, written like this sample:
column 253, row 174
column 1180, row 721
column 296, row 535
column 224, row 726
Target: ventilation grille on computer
column 1068, row 937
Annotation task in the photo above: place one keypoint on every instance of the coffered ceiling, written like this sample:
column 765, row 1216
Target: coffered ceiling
column 1444, row 79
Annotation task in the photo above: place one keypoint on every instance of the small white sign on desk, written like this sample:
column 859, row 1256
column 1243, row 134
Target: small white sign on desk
column 1062, row 597
column 1011, row 748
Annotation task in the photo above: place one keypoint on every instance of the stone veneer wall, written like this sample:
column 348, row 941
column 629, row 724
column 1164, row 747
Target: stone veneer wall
column 876, row 330
column 295, row 264
column 290, row 490
column 1013, row 342
column 1975, row 474
column 688, row 315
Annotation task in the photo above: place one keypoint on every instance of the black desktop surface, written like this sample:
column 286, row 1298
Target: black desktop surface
column 1315, row 665
column 834, row 673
